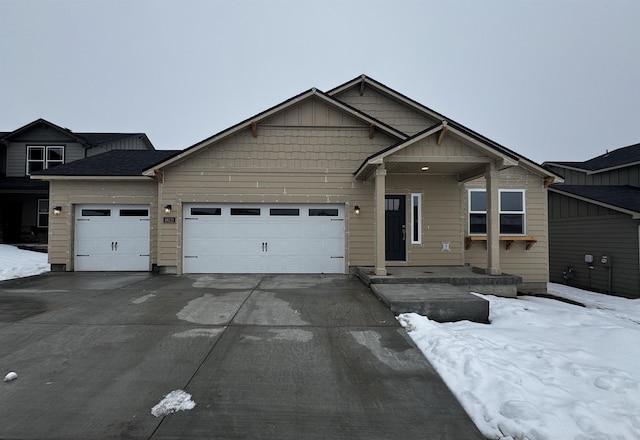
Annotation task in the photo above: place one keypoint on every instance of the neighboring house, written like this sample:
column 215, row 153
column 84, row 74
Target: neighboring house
column 595, row 216
column 321, row 183
column 41, row 145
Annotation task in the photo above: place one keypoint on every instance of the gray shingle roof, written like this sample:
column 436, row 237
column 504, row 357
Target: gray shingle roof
column 111, row 163
column 611, row 159
column 622, row 196
column 89, row 139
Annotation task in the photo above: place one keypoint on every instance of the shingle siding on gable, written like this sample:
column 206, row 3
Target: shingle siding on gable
column 386, row 110
column 280, row 165
column 291, row 149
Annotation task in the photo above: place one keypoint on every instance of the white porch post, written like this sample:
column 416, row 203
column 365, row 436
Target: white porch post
column 493, row 220
column 380, row 185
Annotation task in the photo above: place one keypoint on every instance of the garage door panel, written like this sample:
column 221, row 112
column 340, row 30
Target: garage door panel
column 112, row 238
column 281, row 239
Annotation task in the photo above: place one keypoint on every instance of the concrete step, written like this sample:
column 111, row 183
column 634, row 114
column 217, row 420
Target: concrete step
column 440, row 302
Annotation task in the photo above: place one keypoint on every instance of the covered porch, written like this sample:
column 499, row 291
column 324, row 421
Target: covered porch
column 448, row 152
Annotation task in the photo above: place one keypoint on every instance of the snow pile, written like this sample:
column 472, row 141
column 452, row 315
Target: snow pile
column 176, row 400
column 542, row 369
column 17, row 263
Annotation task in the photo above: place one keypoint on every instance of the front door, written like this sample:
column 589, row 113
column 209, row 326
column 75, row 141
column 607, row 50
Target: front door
column 395, row 228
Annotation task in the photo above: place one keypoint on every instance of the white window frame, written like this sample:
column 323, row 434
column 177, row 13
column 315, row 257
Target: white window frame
column 469, row 212
column 45, row 161
column 500, row 211
column 44, row 212
column 523, row 212
column 416, row 223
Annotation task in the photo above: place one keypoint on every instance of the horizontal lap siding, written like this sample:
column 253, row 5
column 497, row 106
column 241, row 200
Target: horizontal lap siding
column 71, row 192
column 441, row 218
column 531, row 265
column 280, row 165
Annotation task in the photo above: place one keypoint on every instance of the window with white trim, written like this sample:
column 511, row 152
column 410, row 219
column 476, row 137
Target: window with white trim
column 43, row 213
column 511, row 209
column 416, row 218
column 43, row 157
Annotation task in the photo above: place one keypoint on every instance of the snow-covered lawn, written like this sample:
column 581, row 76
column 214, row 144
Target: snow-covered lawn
column 18, row 263
column 543, row 369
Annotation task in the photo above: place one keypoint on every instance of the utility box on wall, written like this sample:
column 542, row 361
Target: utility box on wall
column 605, row 260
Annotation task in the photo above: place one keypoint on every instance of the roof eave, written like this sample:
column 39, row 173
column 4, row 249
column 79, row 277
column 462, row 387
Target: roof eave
column 268, row 113
column 635, row 215
column 49, row 177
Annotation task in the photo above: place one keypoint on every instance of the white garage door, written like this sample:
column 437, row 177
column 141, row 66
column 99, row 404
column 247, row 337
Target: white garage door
column 243, row 238
column 112, row 238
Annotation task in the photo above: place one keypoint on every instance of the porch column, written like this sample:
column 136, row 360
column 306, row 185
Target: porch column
column 493, row 220
column 381, row 172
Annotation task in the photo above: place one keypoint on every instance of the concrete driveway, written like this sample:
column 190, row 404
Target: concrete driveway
column 263, row 357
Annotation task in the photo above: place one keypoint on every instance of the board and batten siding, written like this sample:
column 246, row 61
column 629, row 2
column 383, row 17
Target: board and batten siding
column 578, row 228
column 531, row 265
column 68, row 193
column 127, row 143
column 281, row 165
column 629, row 175
column 386, row 110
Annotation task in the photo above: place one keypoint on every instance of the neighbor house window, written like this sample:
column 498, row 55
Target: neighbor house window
column 511, row 210
column 43, row 157
column 416, row 218
column 43, row 213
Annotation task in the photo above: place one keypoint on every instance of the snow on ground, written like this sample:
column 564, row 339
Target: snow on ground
column 176, row 400
column 543, row 369
column 18, row 263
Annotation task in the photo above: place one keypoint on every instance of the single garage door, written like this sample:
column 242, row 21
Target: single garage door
column 243, row 238
column 112, row 238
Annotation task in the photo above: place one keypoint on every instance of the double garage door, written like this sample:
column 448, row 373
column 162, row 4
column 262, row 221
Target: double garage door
column 112, row 238
column 260, row 238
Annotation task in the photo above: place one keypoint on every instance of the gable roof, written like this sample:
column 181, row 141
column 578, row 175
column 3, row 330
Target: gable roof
column 622, row 198
column 622, row 157
column 42, row 122
column 86, row 139
column 115, row 163
column 478, row 139
column 247, row 123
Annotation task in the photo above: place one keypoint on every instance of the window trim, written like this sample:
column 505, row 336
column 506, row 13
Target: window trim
column 42, row 213
column 45, row 157
column 523, row 213
column 416, row 221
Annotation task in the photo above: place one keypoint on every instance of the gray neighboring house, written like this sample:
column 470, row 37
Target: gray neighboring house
column 594, row 223
column 40, row 145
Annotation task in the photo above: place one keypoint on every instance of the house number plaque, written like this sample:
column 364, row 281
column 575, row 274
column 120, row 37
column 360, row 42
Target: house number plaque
column 168, row 219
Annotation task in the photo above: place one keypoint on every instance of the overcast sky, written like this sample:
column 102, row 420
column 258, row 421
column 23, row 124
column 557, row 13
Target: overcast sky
column 550, row 79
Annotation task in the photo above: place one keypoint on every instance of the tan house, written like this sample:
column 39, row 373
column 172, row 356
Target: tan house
column 322, row 183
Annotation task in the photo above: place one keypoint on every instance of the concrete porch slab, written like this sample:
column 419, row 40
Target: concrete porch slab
column 468, row 278
column 438, row 301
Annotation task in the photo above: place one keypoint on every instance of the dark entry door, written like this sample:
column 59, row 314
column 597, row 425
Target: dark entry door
column 395, row 228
